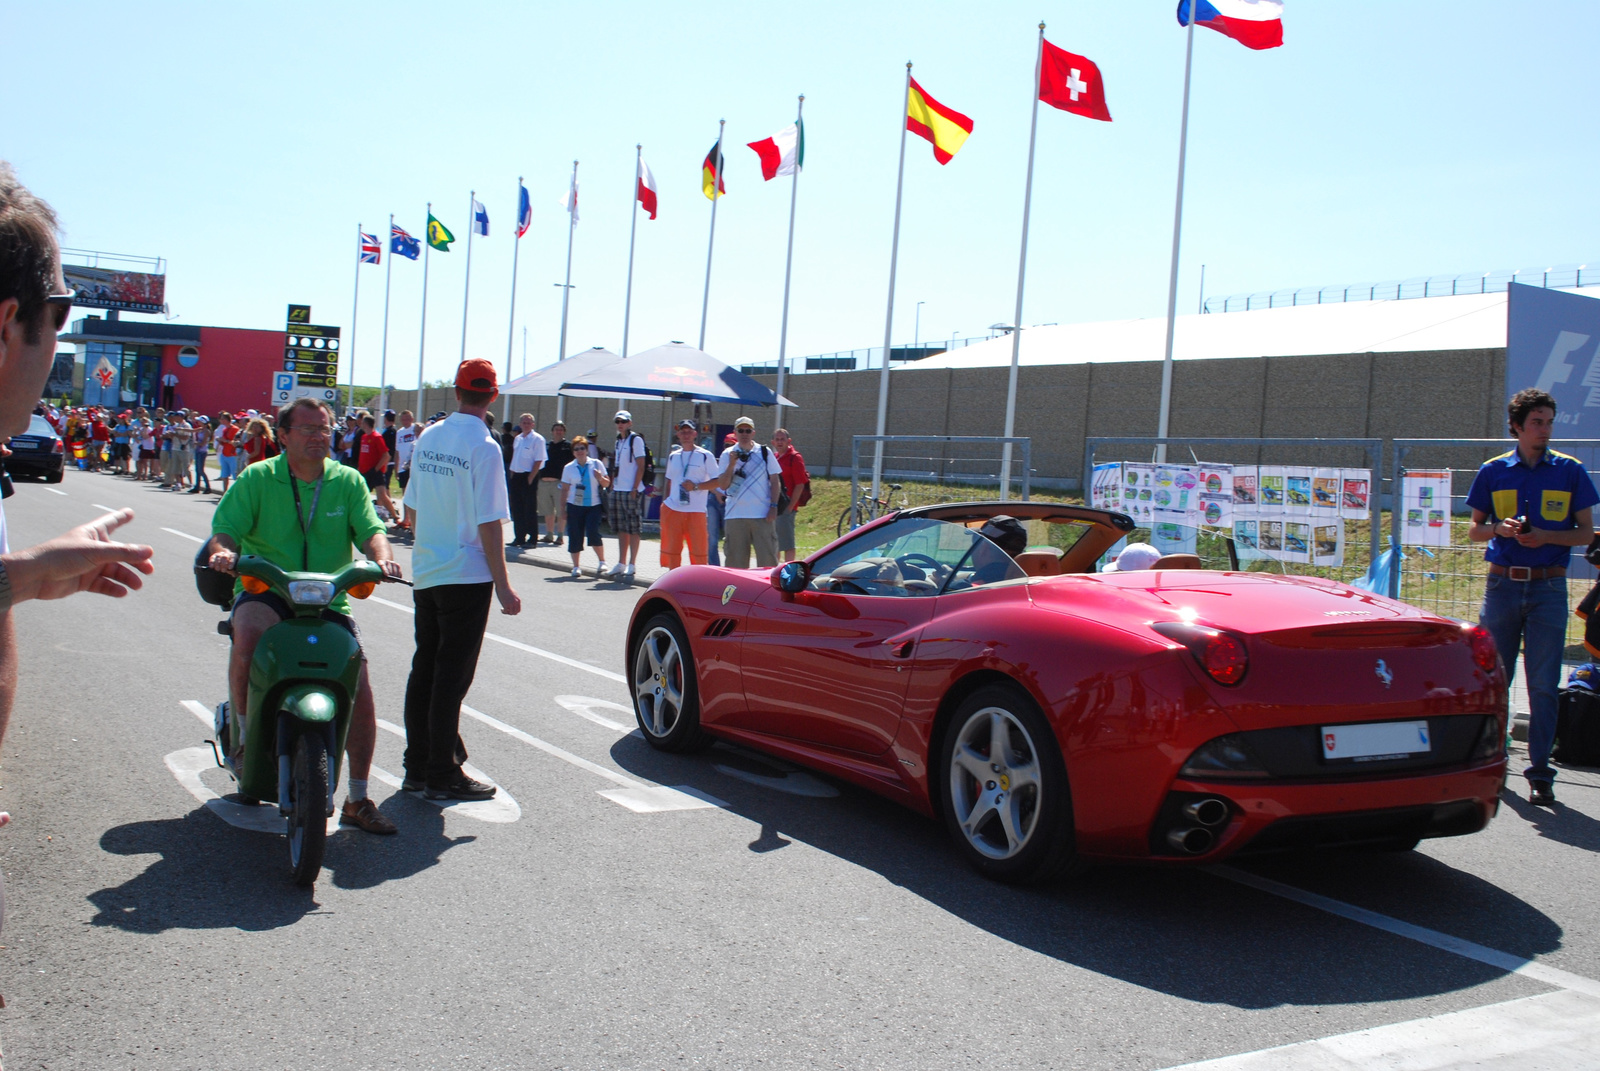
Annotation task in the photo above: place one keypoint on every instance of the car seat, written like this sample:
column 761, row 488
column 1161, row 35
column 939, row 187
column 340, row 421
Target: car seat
column 1040, row 561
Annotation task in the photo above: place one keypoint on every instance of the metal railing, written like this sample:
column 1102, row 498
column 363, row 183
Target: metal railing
column 1492, row 282
column 933, row 468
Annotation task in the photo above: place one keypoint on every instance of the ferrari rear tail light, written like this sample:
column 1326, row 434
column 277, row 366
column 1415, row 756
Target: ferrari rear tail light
column 1226, row 756
column 1491, row 739
column 1484, row 652
column 1221, row 654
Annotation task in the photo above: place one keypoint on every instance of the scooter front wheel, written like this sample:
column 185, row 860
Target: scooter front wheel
column 308, row 797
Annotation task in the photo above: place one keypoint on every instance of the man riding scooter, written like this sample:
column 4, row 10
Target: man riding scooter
column 302, row 511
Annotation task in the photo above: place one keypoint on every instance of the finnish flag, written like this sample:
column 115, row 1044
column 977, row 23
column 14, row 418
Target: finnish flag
column 480, row 218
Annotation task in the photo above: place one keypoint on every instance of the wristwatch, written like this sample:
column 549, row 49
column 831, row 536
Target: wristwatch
column 5, row 589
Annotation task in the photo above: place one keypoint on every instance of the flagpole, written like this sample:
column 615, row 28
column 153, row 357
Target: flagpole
column 472, row 225
column 788, row 261
column 888, row 317
column 350, row 348
column 1177, row 232
column 1022, row 271
column 383, row 365
column 422, row 348
column 633, row 229
column 716, row 185
column 566, row 287
column 511, row 328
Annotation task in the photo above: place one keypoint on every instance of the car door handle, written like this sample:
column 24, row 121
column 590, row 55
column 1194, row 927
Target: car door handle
column 904, row 648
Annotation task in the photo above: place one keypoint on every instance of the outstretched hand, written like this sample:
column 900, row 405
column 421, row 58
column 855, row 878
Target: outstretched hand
column 83, row 559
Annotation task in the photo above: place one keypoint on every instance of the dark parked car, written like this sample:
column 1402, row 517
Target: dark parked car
column 37, row 452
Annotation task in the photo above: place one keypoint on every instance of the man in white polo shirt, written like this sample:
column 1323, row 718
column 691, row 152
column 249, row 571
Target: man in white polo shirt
column 527, row 458
column 691, row 469
column 751, row 476
column 456, row 503
column 625, row 503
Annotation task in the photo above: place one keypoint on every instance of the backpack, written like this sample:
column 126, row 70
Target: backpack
column 1578, row 727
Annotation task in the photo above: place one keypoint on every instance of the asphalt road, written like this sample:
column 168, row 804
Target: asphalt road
column 635, row 910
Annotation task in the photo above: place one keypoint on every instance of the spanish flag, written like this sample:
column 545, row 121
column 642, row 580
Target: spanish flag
column 945, row 127
column 711, row 172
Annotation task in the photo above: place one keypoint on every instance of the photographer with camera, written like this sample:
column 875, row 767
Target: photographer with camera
column 752, row 478
column 1532, row 505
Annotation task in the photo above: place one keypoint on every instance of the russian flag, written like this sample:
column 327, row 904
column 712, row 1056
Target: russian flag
column 1252, row 23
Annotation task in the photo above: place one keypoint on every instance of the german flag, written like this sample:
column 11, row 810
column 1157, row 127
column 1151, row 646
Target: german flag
column 711, row 173
column 945, row 127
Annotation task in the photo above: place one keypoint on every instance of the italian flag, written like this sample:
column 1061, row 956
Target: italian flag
column 784, row 153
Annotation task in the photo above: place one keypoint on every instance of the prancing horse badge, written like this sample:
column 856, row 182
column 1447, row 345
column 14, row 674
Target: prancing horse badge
column 727, row 593
column 1385, row 674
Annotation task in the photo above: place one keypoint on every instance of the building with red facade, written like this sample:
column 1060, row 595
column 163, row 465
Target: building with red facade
column 127, row 363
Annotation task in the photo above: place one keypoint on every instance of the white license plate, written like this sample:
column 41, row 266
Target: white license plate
column 1375, row 740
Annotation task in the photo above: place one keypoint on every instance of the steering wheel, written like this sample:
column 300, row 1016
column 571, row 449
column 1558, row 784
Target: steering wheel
column 920, row 560
column 839, row 583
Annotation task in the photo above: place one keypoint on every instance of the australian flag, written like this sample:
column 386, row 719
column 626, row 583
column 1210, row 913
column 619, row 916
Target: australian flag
column 402, row 244
column 370, row 249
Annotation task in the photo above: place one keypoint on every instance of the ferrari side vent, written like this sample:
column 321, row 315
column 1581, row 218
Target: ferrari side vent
column 721, row 627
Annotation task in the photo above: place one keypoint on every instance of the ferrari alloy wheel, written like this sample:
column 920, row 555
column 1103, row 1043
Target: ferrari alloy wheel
column 666, row 696
column 1006, row 800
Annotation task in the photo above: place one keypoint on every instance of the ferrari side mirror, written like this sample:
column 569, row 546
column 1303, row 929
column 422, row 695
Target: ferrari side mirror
column 791, row 577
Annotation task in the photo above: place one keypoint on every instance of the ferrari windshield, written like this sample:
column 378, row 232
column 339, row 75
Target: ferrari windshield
column 913, row 556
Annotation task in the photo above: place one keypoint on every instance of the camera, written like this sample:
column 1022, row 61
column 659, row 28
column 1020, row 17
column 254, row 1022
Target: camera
column 743, row 455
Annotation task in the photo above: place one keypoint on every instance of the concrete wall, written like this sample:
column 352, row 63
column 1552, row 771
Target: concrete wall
column 1451, row 394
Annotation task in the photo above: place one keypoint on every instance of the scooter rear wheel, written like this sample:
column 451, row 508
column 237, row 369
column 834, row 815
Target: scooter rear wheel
column 308, row 798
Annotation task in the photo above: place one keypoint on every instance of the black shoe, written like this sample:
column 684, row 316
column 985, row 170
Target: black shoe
column 413, row 784
column 461, row 788
column 1541, row 794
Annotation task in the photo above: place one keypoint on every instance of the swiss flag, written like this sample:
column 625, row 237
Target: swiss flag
column 1071, row 83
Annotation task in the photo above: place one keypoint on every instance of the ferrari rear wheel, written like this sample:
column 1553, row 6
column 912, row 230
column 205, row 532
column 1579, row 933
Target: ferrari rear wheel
column 1006, row 800
column 666, row 694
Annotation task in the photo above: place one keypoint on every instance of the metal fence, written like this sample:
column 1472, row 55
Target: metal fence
column 923, row 470
column 1449, row 579
column 1491, row 282
column 1363, row 537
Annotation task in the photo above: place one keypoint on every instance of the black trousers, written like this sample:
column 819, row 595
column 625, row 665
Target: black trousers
column 450, row 621
column 524, row 507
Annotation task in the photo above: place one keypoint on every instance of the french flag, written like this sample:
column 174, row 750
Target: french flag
column 1252, row 23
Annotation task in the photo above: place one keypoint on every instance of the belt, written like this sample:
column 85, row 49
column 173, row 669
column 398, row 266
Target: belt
column 1526, row 572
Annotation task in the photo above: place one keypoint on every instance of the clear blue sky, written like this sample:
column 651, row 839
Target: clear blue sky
column 244, row 144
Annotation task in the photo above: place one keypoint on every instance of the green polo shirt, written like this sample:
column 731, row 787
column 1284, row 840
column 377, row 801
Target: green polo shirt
column 258, row 513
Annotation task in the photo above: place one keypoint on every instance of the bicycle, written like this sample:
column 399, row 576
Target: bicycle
column 866, row 508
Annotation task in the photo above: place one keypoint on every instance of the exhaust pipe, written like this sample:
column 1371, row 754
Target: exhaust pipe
column 1191, row 841
column 1208, row 812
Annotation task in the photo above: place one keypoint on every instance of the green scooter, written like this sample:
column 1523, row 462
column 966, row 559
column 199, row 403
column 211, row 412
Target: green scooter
column 303, row 680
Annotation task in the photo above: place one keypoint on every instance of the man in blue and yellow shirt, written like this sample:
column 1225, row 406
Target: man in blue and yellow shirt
column 1532, row 506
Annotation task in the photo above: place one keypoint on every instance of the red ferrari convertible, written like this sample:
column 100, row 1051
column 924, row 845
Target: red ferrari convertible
column 1052, row 715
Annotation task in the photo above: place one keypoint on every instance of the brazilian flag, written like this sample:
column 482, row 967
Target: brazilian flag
column 439, row 236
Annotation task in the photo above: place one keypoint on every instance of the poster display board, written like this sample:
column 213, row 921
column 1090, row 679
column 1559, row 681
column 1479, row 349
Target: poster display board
column 1425, row 502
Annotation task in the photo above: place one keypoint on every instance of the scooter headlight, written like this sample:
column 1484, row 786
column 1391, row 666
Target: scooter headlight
column 311, row 592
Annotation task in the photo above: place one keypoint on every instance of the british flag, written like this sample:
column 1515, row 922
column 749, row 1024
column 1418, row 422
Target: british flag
column 370, row 249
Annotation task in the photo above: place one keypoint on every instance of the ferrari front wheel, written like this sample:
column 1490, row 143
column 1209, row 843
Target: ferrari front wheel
column 1006, row 800
column 666, row 694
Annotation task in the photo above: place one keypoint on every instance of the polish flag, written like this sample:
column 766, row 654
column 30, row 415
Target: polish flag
column 646, row 192
column 783, row 153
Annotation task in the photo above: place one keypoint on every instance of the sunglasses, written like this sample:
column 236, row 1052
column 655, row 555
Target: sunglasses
column 622, row 422
column 61, row 307
column 580, row 447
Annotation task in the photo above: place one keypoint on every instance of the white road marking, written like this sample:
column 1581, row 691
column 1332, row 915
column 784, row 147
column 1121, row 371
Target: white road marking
column 53, row 491
column 185, row 535
column 1433, row 938
column 262, row 818
column 501, row 808
column 108, row 509
column 587, row 707
column 1560, row 1029
column 642, row 797
column 563, row 659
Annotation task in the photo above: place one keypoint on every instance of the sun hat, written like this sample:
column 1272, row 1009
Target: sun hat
column 1134, row 556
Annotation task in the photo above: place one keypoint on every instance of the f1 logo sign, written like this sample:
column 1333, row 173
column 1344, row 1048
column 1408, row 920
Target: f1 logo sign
column 1556, row 368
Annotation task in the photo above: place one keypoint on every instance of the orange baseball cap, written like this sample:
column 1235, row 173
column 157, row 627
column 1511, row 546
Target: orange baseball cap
column 477, row 374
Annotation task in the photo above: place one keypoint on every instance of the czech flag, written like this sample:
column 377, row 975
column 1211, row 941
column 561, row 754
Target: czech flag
column 1252, row 23
column 524, row 210
column 945, row 127
column 711, row 174
column 645, row 189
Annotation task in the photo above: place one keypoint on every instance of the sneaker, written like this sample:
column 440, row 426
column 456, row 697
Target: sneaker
column 629, row 570
column 1541, row 794
column 412, row 784
column 576, row 572
column 616, row 570
column 366, row 816
column 462, row 788
column 600, row 570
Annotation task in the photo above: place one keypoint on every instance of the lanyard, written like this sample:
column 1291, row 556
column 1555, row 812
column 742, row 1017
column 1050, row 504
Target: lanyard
column 305, row 522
